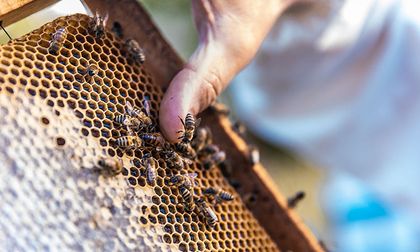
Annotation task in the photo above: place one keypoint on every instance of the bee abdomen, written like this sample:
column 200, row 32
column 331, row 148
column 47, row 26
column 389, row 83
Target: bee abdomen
column 226, row 196
column 187, row 197
column 120, row 119
column 151, row 176
column 123, row 141
column 140, row 56
column 211, row 217
column 189, row 122
column 54, row 47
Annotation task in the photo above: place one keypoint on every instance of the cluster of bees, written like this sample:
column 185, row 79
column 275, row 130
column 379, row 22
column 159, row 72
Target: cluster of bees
column 194, row 143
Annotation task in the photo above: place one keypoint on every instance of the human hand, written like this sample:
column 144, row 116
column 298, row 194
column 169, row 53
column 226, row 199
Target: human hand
column 230, row 33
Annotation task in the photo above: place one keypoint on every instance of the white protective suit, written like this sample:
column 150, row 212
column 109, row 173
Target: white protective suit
column 340, row 84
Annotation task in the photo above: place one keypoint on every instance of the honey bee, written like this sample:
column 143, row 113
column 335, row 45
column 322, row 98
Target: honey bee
column 186, row 180
column 135, row 51
column 202, row 138
column 155, row 139
column 90, row 72
column 175, row 161
column 254, row 154
column 218, row 194
column 240, row 128
column 97, row 25
column 111, row 165
column 187, row 196
column 295, row 199
column 57, row 40
column 186, row 149
column 117, row 29
column 132, row 123
column 150, row 164
column 129, row 142
column 206, row 211
column 214, row 160
column 189, row 128
column 208, row 149
column 144, row 118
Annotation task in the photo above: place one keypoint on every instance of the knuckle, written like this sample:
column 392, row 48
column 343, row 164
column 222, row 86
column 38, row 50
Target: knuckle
column 212, row 87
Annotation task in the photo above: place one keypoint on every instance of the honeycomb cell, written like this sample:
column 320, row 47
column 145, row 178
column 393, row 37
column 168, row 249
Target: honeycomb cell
column 77, row 116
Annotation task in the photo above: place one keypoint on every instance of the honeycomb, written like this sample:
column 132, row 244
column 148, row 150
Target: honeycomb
column 56, row 125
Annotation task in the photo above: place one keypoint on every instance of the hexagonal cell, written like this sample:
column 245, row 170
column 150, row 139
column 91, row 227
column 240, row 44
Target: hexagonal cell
column 60, row 80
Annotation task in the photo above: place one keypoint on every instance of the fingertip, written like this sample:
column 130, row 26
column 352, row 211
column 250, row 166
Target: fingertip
column 168, row 119
column 175, row 105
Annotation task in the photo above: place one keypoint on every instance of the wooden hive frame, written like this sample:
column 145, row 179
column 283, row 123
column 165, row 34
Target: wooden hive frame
column 270, row 207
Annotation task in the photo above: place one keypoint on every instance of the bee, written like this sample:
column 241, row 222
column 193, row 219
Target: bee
column 97, row 25
column 174, row 160
column 111, row 165
column 202, row 138
column 186, row 149
column 132, row 123
column 187, row 196
column 189, row 128
column 208, row 149
column 206, row 211
column 117, row 29
column 240, row 128
column 57, row 40
column 150, row 164
column 155, row 139
column 144, row 118
column 186, row 180
column 90, row 72
column 135, row 51
column 214, row 160
column 129, row 142
column 218, row 194
column 295, row 199
column 253, row 154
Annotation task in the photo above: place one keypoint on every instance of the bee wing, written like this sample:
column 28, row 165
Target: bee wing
column 192, row 177
column 188, row 161
column 182, row 121
column 130, row 131
column 105, row 19
column 126, row 121
column 128, row 107
column 146, row 105
column 197, row 122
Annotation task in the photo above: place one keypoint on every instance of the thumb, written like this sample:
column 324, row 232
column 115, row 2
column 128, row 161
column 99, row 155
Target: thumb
column 194, row 88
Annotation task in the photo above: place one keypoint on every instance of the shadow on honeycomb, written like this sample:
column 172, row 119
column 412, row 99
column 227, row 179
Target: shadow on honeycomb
column 55, row 126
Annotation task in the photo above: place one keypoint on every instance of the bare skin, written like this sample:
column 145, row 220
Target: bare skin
column 230, row 33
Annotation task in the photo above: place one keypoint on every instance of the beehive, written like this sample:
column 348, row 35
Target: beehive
column 55, row 125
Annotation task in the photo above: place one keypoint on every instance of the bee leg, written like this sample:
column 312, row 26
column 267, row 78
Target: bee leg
column 182, row 121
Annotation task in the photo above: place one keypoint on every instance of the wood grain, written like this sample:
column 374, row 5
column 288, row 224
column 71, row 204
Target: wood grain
column 14, row 10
